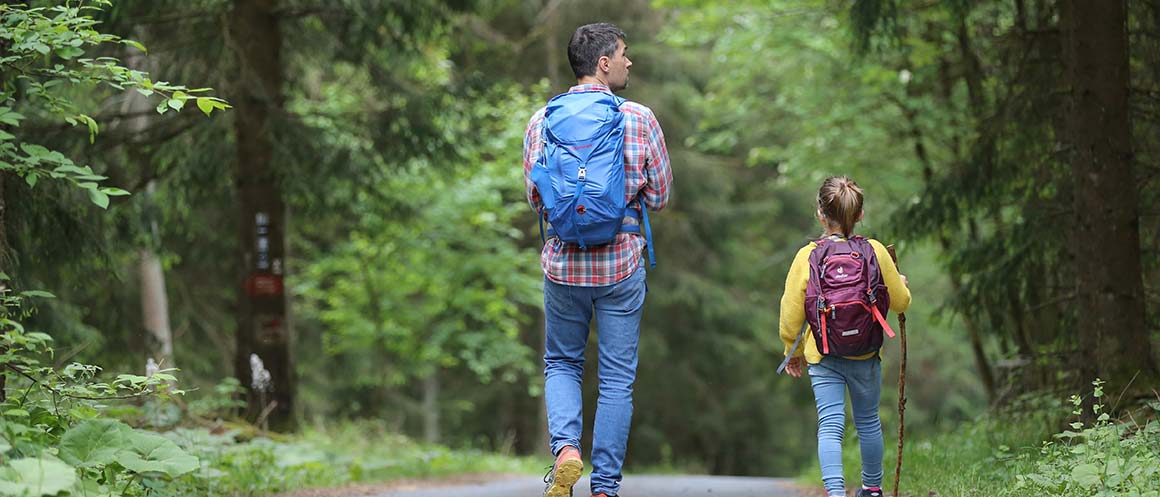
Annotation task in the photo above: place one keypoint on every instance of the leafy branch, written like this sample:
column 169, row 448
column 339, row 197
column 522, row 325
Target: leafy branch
column 42, row 57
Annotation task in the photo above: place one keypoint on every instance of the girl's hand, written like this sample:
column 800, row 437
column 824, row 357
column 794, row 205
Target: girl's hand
column 794, row 367
column 904, row 283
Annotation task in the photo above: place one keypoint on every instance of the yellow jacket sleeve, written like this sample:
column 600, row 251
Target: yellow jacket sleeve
column 793, row 301
column 899, row 293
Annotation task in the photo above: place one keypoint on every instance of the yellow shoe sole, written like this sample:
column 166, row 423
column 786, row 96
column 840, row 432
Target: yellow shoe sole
column 567, row 474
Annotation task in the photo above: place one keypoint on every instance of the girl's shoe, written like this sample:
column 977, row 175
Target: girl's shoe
column 564, row 474
column 869, row 492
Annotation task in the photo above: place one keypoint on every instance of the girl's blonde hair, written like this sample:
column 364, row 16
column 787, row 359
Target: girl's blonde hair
column 840, row 200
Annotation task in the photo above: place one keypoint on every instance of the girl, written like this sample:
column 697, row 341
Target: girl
column 839, row 209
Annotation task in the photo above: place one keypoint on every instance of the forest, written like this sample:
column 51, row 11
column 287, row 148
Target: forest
column 256, row 246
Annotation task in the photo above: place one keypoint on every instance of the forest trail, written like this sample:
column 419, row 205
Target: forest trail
column 530, row 486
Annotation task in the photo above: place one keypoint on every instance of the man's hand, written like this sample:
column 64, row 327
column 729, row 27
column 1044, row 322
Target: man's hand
column 794, row 367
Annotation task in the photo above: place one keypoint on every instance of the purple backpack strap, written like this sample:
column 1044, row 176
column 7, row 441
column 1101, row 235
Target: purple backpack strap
column 874, row 275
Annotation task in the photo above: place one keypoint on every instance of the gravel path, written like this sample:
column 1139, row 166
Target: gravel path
column 633, row 486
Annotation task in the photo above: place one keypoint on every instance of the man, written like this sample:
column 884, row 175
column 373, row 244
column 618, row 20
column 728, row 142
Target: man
column 607, row 278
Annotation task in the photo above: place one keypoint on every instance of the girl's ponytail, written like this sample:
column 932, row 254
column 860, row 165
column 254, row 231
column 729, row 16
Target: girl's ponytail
column 840, row 200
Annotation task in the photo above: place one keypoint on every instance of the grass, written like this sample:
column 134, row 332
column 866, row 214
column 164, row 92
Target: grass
column 1023, row 452
column 347, row 453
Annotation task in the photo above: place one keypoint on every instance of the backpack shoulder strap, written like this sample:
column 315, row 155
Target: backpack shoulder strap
column 874, row 275
column 801, row 333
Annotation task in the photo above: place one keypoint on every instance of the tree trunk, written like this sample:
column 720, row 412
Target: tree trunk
column 263, row 329
column 5, row 266
column 552, row 44
column 981, row 363
column 431, row 408
column 154, row 300
column 1113, row 337
column 155, row 309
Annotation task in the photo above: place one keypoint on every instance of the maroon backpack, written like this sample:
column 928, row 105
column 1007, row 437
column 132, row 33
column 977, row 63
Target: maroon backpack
column 846, row 298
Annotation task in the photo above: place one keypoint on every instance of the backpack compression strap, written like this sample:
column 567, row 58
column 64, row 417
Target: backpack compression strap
column 628, row 228
column 801, row 333
column 630, row 212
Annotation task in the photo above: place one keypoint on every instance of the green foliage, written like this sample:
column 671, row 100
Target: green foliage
column 1104, row 458
column 433, row 275
column 42, row 62
column 330, row 455
column 56, row 438
column 1018, row 451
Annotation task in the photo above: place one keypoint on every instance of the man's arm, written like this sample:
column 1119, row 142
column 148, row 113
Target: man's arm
column 658, row 173
column 533, row 144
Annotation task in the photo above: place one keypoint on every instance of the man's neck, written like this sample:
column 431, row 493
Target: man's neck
column 591, row 80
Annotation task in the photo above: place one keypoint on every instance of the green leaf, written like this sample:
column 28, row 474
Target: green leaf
column 100, row 198
column 150, row 453
column 10, row 118
column 1086, row 474
column 37, row 293
column 68, row 53
column 136, row 45
column 36, row 476
column 205, row 104
column 176, row 103
column 31, row 179
column 93, row 129
column 162, row 107
column 95, row 442
column 114, row 192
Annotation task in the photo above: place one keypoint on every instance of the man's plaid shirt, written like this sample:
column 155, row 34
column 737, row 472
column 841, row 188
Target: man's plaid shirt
column 647, row 176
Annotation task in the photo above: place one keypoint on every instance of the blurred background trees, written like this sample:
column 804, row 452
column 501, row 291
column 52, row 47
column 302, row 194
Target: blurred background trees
column 357, row 220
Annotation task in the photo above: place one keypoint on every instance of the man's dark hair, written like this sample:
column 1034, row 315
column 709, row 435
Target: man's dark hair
column 591, row 42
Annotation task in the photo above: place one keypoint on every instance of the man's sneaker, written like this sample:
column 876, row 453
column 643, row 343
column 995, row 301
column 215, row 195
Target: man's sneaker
column 603, row 495
column 869, row 492
column 564, row 473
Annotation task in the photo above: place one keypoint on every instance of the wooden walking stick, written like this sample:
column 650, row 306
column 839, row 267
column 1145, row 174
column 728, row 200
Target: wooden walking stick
column 901, row 382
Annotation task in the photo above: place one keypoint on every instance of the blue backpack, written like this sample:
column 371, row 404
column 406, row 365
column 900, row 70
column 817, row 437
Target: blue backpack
column 580, row 175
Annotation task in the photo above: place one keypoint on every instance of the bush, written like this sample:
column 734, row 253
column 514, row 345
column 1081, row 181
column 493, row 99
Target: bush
column 56, row 436
column 1015, row 453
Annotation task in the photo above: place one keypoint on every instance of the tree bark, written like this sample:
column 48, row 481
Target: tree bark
column 154, row 299
column 431, row 408
column 155, row 309
column 551, row 45
column 1110, row 296
column 981, row 363
column 5, row 266
column 263, row 328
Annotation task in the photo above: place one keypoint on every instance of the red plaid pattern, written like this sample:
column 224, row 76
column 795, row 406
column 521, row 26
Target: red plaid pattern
column 647, row 175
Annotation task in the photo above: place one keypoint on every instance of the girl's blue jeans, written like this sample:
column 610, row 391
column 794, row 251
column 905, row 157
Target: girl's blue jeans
column 567, row 312
column 830, row 380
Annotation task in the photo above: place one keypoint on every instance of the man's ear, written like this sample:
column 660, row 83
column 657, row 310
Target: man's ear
column 604, row 63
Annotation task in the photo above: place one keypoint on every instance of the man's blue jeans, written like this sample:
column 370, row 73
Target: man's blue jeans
column 830, row 379
column 568, row 310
